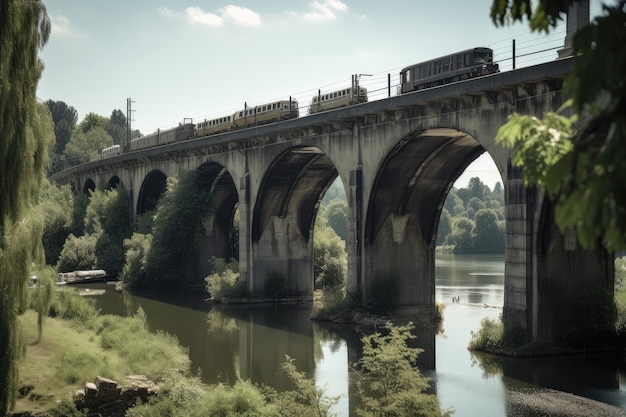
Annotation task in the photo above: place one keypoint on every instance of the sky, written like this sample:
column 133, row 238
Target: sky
column 180, row 59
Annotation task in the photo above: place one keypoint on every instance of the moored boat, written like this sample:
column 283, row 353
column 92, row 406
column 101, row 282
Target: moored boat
column 82, row 277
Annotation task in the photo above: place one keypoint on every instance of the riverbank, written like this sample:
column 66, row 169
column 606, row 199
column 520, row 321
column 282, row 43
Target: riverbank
column 74, row 351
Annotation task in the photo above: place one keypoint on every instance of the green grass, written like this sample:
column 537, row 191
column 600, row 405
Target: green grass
column 74, row 350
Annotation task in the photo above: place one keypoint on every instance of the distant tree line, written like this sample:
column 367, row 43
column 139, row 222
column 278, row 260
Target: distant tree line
column 472, row 220
column 77, row 143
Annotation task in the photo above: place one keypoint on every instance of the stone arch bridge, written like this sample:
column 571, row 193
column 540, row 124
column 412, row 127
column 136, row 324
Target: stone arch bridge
column 397, row 159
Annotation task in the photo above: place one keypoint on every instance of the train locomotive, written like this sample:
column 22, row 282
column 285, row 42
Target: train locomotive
column 470, row 63
column 447, row 69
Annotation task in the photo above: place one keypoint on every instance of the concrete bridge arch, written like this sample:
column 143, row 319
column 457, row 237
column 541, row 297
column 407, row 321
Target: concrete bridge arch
column 283, row 217
column 403, row 212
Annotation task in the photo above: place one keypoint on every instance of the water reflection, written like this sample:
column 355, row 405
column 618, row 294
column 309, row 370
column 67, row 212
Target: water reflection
column 226, row 343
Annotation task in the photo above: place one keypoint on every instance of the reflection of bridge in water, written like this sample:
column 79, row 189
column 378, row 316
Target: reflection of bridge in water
column 397, row 158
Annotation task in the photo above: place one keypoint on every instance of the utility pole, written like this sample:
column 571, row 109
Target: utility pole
column 129, row 119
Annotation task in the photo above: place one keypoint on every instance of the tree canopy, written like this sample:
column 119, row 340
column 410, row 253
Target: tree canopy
column 26, row 134
column 579, row 161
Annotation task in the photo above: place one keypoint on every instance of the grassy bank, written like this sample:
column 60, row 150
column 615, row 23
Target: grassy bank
column 78, row 344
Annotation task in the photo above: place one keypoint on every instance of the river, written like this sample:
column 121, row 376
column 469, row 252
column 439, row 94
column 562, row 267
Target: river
column 230, row 342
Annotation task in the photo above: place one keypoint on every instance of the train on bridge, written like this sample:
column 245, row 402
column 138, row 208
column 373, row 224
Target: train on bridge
column 462, row 65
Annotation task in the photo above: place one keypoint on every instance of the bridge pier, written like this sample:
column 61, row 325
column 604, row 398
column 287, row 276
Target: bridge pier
column 283, row 257
column 401, row 267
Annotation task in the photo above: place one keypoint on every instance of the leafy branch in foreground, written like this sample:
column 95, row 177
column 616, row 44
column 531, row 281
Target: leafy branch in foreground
column 582, row 172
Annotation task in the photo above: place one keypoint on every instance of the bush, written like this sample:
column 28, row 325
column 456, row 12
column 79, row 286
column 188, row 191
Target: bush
column 78, row 253
column 224, row 281
column 137, row 249
column 174, row 242
column 391, row 383
column 68, row 305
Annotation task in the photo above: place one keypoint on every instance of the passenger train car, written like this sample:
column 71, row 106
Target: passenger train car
column 459, row 66
column 250, row 116
column 448, row 69
column 111, row 151
column 163, row 137
column 340, row 98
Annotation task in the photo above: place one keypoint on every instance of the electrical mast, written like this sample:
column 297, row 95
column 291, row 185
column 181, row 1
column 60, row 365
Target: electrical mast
column 129, row 119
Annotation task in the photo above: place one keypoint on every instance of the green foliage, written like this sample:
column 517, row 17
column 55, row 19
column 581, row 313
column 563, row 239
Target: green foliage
column 461, row 236
column 78, row 253
column 329, row 255
column 41, row 296
column 55, row 205
column 66, row 304
column 307, row 400
column 583, row 174
column 86, row 146
column 224, row 281
column 391, row 384
column 136, row 255
column 187, row 397
column 116, row 126
column 142, row 350
column 107, row 216
column 77, row 368
column 546, row 15
column 459, row 230
column 174, row 242
column 65, row 408
column 620, row 272
column 106, row 225
column 488, row 234
column 337, row 217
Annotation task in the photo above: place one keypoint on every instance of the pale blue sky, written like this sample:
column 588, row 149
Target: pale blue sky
column 198, row 59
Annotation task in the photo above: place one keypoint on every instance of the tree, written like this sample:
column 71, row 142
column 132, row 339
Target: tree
column 581, row 171
column 85, row 146
column 329, row 255
column 117, row 127
column 337, row 213
column 26, row 133
column 461, row 236
column 64, row 118
column 488, row 236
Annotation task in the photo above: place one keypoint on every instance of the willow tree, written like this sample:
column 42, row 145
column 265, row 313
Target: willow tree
column 24, row 141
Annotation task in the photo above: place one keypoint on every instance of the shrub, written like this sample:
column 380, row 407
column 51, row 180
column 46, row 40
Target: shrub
column 174, row 242
column 224, row 281
column 137, row 249
column 391, row 384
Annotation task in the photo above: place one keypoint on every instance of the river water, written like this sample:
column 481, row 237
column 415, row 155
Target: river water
column 230, row 342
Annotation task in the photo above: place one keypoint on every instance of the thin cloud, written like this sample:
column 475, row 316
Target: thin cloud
column 324, row 11
column 241, row 16
column 197, row 15
column 237, row 15
column 61, row 25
